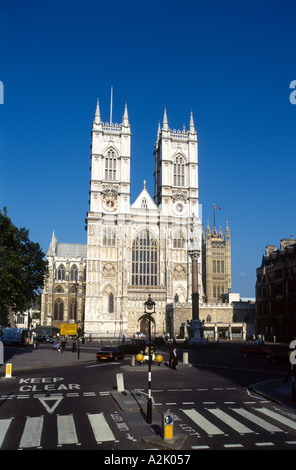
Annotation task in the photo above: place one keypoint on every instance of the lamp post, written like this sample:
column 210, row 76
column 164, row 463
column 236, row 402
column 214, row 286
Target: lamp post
column 149, row 309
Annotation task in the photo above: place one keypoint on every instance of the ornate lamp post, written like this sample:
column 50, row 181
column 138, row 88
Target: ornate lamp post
column 149, row 309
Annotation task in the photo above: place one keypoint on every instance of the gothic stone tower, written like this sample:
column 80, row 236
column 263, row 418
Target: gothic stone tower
column 141, row 248
column 217, row 263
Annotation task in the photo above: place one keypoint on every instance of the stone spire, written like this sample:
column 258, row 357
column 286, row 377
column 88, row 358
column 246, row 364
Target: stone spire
column 125, row 120
column 165, row 124
column 191, row 125
column 97, row 119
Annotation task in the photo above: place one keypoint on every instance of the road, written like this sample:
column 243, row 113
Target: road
column 73, row 408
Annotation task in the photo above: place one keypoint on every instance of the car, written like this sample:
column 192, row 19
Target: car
column 44, row 339
column 255, row 350
column 134, row 346
column 109, row 353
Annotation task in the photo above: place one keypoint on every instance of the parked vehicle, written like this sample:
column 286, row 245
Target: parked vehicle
column 255, row 350
column 44, row 339
column 14, row 335
column 134, row 346
column 109, row 353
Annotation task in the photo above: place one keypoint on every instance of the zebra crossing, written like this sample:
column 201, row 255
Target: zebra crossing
column 205, row 422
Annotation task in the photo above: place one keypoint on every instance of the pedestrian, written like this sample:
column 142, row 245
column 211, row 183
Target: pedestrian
column 173, row 358
column 123, row 339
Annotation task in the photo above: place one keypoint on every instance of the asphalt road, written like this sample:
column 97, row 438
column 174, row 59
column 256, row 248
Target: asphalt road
column 67, row 403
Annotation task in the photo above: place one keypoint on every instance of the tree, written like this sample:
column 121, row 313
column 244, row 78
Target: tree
column 23, row 268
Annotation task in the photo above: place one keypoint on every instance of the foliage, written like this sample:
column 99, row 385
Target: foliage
column 23, row 268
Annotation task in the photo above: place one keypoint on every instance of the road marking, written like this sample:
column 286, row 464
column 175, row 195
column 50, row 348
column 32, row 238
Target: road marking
column 100, row 427
column 203, row 423
column 278, row 417
column 233, row 423
column 4, row 425
column 31, row 436
column 257, row 420
column 66, row 430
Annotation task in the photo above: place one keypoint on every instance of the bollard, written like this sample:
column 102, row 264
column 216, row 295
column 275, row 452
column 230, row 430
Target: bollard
column 185, row 357
column 133, row 360
column 167, row 426
column 120, row 382
column 1, row 353
column 8, row 370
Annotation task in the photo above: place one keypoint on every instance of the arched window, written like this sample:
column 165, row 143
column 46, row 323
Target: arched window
column 61, row 272
column 144, row 260
column 179, row 239
column 179, row 171
column 109, row 237
column 144, row 204
column 110, row 166
column 72, row 309
column 209, row 319
column 58, row 310
column 214, row 266
column 74, row 273
column 222, row 267
column 111, row 303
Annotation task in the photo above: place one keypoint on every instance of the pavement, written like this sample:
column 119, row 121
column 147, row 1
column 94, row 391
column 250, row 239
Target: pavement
column 133, row 404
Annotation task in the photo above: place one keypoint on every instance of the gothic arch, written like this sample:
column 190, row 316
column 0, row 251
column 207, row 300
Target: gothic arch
column 108, row 298
column 180, row 294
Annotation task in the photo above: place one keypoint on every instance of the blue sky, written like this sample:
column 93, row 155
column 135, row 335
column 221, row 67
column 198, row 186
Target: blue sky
column 230, row 62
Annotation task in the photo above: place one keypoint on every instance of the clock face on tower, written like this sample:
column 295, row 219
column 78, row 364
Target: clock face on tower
column 110, row 203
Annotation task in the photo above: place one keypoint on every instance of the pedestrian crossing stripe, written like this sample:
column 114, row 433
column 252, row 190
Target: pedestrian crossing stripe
column 31, row 436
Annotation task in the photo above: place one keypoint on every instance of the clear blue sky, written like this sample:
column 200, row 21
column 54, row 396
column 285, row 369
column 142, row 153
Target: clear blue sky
column 230, row 62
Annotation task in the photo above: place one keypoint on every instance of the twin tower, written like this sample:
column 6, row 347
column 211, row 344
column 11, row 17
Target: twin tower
column 141, row 248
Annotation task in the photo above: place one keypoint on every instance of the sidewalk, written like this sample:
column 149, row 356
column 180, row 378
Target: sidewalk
column 276, row 390
column 45, row 355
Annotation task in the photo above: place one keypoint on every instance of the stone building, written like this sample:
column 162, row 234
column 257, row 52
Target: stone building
column 136, row 248
column 63, row 296
column 276, row 292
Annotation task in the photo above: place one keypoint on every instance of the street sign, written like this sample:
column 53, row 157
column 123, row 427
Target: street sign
column 68, row 329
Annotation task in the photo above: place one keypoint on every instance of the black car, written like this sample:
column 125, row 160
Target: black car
column 44, row 339
column 134, row 346
column 109, row 353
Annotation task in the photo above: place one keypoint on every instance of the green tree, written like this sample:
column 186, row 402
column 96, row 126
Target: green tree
column 23, row 268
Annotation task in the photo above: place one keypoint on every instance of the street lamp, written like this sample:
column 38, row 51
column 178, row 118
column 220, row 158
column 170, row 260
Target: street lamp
column 149, row 309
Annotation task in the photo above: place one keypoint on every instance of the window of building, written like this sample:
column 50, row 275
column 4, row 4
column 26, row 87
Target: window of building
column 109, row 237
column 144, row 204
column 61, row 273
column 144, row 260
column 111, row 303
column 179, row 171
column 72, row 306
column 110, row 166
column 179, row 240
column 74, row 273
column 58, row 310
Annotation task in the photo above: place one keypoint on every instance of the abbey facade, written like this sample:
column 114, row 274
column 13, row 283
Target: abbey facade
column 136, row 248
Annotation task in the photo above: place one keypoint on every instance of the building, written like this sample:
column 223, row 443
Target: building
column 276, row 292
column 217, row 263
column 137, row 248
column 63, row 296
